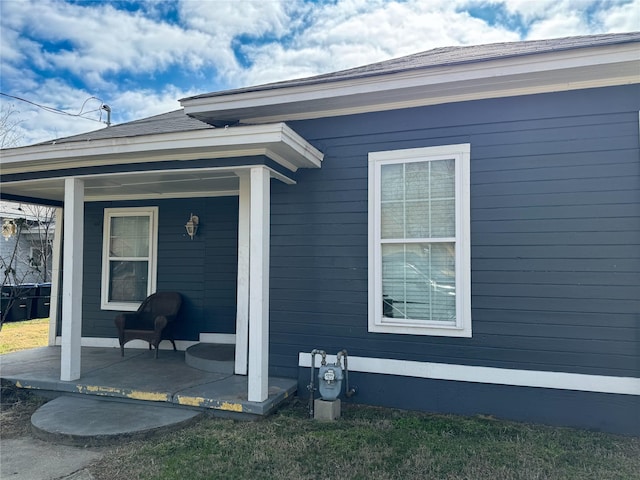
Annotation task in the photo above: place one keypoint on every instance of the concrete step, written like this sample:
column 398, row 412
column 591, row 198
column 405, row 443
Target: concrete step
column 211, row 357
column 87, row 421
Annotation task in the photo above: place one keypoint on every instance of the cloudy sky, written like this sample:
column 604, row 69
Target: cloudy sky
column 140, row 57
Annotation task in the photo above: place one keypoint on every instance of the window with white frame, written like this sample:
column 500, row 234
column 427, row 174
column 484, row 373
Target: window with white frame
column 129, row 253
column 419, row 243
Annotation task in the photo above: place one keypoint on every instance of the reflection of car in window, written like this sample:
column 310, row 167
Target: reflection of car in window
column 128, row 281
column 413, row 287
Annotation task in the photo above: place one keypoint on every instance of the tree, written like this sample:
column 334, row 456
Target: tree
column 26, row 255
column 10, row 135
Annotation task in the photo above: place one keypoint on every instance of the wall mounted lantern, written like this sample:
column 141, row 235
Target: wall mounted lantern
column 9, row 229
column 192, row 226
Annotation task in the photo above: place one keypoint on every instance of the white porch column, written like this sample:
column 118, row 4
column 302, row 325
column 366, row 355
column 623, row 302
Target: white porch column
column 259, row 285
column 56, row 257
column 72, row 279
column 242, row 312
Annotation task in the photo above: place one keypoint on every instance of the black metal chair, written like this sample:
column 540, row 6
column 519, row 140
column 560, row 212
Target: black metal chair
column 153, row 322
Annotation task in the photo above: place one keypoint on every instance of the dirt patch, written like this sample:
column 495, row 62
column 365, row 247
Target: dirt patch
column 16, row 407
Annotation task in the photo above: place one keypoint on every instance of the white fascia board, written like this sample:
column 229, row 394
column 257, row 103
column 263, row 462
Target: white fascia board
column 529, row 74
column 292, row 149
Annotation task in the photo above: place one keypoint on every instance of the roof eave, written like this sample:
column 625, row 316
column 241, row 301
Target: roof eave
column 590, row 67
column 275, row 141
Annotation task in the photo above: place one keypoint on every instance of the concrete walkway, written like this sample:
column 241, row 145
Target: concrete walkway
column 27, row 458
column 86, row 421
column 115, row 399
column 67, row 430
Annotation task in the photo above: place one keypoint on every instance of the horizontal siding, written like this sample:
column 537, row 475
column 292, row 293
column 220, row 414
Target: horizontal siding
column 203, row 270
column 555, row 233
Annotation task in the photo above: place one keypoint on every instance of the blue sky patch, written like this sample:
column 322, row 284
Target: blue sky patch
column 496, row 15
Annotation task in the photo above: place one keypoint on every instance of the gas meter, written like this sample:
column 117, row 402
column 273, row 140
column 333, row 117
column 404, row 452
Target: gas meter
column 330, row 381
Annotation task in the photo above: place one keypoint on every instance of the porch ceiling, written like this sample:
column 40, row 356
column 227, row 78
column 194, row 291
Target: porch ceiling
column 136, row 185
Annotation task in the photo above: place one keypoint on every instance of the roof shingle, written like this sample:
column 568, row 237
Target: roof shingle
column 170, row 122
column 445, row 56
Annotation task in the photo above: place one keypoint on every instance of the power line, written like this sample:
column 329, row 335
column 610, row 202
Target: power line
column 46, row 108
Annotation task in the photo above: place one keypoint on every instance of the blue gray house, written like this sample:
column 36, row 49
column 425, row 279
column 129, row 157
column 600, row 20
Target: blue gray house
column 465, row 222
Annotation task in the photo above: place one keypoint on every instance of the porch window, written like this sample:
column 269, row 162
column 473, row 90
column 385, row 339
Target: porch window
column 419, row 260
column 128, row 257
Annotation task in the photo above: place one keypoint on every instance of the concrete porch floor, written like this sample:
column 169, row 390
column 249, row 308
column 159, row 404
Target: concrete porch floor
column 138, row 376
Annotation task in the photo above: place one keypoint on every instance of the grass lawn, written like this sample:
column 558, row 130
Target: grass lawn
column 16, row 336
column 366, row 443
column 371, row 443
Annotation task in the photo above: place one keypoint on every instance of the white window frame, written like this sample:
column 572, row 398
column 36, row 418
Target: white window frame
column 461, row 155
column 109, row 213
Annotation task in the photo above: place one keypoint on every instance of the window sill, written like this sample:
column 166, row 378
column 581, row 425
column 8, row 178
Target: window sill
column 437, row 331
column 121, row 307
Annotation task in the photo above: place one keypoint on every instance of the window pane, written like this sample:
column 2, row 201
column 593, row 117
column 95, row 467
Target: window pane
column 418, row 200
column 129, row 236
column 443, row 281
column 417, row 183
column 128, row 281
column 392, row 220
column 443, row 176
column 417, row 220
column 443, row 218
column 392, row 182
column 393, row 279
column 418, row 281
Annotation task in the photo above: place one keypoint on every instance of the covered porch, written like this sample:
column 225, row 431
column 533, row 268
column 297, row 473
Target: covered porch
column 138, row 376
column 110, row 167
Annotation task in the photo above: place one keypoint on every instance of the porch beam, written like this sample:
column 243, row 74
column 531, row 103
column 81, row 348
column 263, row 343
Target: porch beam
column 242, row 308
column 258, row 381
column 72, row 282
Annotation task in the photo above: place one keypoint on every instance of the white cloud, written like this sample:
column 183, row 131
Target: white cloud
column 621, row 18
column 117, row 55
column 98, row 39
column 568, row 24
column 226, row 19
column 560, row 18
column 136, row 104
column 355, row 33
column 38, row 125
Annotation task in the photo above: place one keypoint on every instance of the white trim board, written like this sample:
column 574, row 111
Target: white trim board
column 135, row 344
column 492, row 375
column 226, row 338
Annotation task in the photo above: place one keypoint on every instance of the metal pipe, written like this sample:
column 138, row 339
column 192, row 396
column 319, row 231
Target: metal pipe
column 107, row 109
column 311, row 386
column 349, row 392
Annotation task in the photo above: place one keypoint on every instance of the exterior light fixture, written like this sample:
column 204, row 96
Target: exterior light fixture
column 192, row 226
column 9, row 229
